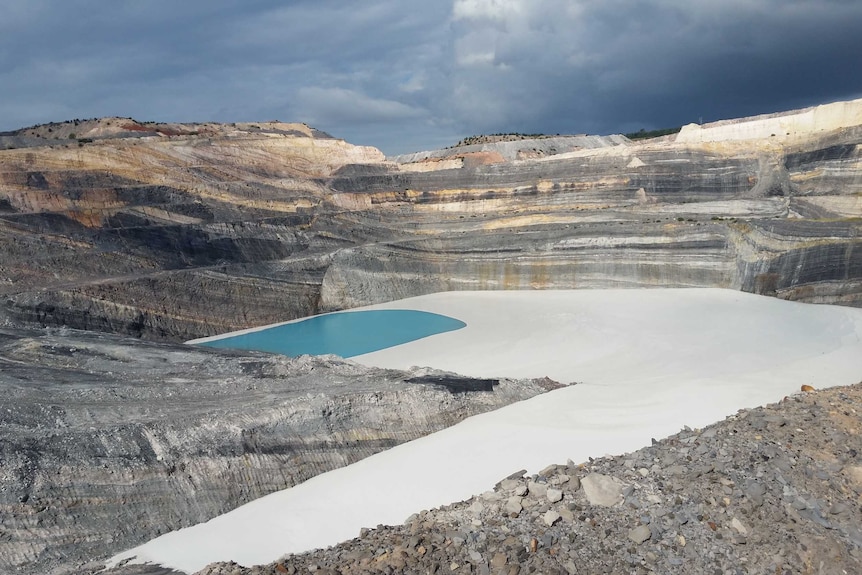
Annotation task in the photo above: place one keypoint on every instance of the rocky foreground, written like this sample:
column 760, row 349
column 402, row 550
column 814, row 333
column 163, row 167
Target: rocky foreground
column 772, row 490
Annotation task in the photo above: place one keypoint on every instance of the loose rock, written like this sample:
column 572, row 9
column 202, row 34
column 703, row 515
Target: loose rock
column 550, row 517
column 602, row 489
column 640, row 534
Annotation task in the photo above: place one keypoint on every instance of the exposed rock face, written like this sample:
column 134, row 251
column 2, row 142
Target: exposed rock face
column 106, row 443
column 779, row 222
column 182, row 231
column 126, row 235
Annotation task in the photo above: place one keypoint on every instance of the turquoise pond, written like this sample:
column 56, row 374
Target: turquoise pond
column 344, row 333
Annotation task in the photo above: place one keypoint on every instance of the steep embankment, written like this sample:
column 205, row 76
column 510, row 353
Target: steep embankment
column 180, row 231
column 107, row 442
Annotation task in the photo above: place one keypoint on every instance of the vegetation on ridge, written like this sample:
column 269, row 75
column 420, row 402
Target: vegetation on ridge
column 641, row 134
column 644, row 134
column 501, row 137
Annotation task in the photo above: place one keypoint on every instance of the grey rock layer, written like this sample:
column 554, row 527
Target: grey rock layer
column 106, row 443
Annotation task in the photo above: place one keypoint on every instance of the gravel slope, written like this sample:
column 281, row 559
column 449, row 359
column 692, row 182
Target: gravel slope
column 771, row 490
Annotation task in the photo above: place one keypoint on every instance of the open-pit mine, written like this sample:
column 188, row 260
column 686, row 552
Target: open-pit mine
column 122, row 239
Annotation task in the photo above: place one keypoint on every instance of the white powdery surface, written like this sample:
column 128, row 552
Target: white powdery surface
column 647, row 363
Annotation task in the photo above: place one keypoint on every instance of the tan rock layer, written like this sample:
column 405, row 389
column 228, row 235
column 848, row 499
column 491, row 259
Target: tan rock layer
column 195, row 229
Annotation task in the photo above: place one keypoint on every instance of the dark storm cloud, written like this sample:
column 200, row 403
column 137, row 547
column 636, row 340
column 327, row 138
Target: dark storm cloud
column 623, row 64
column 343, row 66
column 406, row 75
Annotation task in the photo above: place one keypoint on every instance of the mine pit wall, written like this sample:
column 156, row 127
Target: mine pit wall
column 693, row 218
column 165, row 263
column 819, row 262
column 637, row 256
column 514, row 250
column 694, row 256
column 821, row 273
column 178, row 306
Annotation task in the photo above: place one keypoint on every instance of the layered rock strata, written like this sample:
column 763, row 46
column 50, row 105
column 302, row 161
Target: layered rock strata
column 106, row 443
column 182, row 231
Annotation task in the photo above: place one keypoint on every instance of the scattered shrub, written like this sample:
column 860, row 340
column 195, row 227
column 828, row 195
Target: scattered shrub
column 644, row 134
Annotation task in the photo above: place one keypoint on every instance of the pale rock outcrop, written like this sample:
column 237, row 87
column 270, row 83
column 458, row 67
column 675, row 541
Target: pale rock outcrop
column 602, row 489
column 796, row 124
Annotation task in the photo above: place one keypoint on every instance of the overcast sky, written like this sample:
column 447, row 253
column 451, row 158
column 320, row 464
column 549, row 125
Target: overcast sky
column 409, row 75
